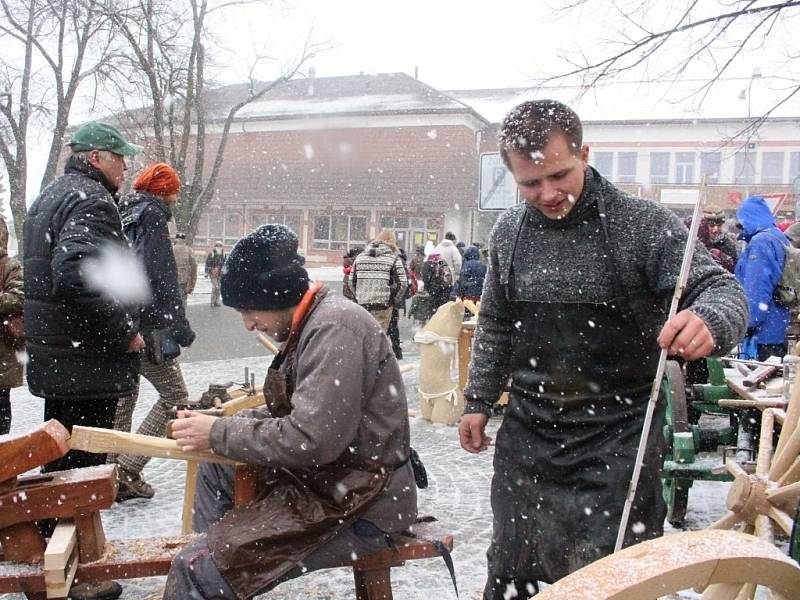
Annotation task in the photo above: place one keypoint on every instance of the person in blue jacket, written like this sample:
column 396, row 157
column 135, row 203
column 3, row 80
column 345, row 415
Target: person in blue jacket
column 469, row 285
column 759, row 271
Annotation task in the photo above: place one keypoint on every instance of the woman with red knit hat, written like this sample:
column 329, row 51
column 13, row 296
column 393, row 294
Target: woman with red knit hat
column 145, row 213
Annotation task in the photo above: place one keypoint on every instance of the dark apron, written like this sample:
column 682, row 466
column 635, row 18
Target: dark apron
column 297, row 511
column 581, row 377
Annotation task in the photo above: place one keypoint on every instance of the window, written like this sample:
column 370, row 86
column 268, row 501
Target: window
column 794, row 165
column 216, row 226
column 659, row 167
column 394, row 222
column 339, row 232
column 626, row 167
column 710, row 163
column 744, row 167
column 772, row 167
column 202, row 230
column 604, row 163
column 233, row 228
column 684, row 167
column 293, row 222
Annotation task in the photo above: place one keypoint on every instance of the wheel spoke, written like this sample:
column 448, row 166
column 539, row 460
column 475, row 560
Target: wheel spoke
column 729, row 520
column 786, row 457
column 723, row 591
column 764, row 529
column 790, row 422
column 792, row 474
column 783, row 520
column 765, row 443
column 788, row 494
column 734, row 468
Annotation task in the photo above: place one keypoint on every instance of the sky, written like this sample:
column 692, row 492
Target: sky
column 453, row 44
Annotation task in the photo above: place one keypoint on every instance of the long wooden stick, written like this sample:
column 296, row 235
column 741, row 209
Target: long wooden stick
column 680, row 285
column 267, row 343
column 94, row 439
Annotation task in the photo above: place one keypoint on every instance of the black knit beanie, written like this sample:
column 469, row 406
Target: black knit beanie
column 264, row 271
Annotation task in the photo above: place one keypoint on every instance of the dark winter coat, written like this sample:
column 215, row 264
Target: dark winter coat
column 144, row 222
column 470, row 281
column 759, row 270
column 556, row 261
column 11, row 303
column 77, row 338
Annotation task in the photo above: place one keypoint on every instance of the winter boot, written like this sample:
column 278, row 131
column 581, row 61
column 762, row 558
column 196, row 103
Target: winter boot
column 131, row 485
column 101, row 590
column 505, row 588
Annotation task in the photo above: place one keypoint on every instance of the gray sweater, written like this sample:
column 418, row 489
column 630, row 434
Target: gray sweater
column 562, row 261
column 348, row 399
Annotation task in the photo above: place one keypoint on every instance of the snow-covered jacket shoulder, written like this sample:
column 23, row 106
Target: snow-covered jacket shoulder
column 348, row 398
column 144, row 222
column 77, row 338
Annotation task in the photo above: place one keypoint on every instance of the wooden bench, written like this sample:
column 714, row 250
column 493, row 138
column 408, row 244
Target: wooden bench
column 78, row 551
column 129, row 559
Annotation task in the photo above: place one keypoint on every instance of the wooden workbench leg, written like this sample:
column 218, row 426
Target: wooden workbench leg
column 91, row 536
column 22, row 543
column 188, row 496
column 373, row 585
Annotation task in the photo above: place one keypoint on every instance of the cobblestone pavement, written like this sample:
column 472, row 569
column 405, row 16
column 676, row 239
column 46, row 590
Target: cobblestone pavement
column 458, row 495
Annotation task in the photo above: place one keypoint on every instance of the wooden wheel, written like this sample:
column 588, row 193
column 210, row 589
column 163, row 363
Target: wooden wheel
column 766, row 501
column 717, row 563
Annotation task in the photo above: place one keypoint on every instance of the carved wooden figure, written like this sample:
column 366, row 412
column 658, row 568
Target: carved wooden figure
column 440, row 397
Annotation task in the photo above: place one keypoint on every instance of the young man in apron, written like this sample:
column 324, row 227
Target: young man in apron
column 574, row 311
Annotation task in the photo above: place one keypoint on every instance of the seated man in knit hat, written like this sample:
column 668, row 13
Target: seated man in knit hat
column 333, row 441
column 145, row 213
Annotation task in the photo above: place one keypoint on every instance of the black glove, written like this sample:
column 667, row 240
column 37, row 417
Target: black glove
column 160, row 346
column 184, row 335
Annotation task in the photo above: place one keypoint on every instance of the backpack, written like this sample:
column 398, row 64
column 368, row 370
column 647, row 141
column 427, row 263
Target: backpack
column 436, row 275
column 787, row 292
column 413, row 287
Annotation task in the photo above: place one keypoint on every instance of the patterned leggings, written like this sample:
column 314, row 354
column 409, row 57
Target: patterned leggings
column 167, row 378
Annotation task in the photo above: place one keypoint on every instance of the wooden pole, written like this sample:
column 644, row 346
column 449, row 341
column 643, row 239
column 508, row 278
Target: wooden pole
column 267, row 343
column 680, row 285
column 188, row 497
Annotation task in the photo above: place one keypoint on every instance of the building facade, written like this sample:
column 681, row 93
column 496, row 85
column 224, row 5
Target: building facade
column 337, row 159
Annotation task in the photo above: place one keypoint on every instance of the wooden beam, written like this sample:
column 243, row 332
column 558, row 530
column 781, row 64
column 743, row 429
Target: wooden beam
column 238, row 404
column 759, row 403
column 56, row 495
column 93, row 439
column 61, row 560
column 22, row 542
column 91, row 536
column 21, row 453
column 60, row 546
column 189, row 490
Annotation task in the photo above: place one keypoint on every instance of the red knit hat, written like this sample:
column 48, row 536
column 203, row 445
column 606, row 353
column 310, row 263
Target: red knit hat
column 159, row 179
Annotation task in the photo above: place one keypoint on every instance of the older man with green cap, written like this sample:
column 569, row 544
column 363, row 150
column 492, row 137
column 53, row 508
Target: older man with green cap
column 81, row 340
